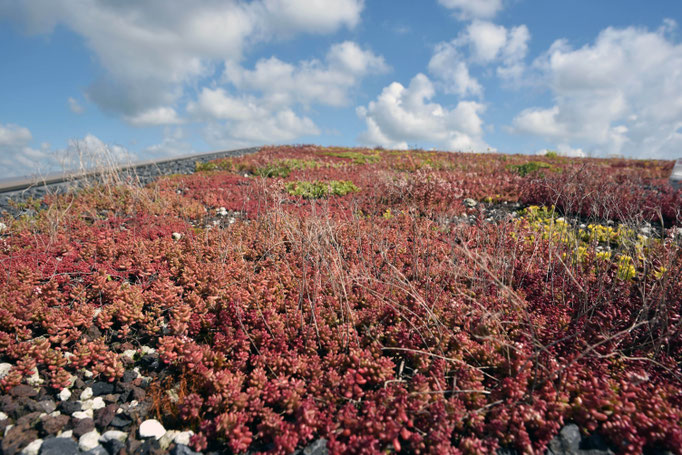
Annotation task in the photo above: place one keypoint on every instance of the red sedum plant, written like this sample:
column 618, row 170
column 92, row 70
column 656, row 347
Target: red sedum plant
column 394, row 319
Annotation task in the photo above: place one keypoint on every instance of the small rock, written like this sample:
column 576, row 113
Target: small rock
column 69, row 407
column 151, row 428
column 34, row 380
column 16, row 437
column 88, row 374
column 53, row 425
column 177, row 236
column 468, row 202
column 182, row 449
column 65, row 434
column 129, row 353
column 64, row 395
column 83, row 426
column 47, row 406
column 121, row 421
column 318, row 447
column 94, row 404
column 167, row 439
column 87, row 414
column 97, row 450
column 129, row 376
column 566, row 442
column 88, row 441
column 23, row 390
column 3, row 416
column 59, row 446
column 107, row 436
column 113, row 446
column 103, row 417
column 86, row 394
column 183, row 437
column 102, row 388
column 4, row 369
column 33, row 448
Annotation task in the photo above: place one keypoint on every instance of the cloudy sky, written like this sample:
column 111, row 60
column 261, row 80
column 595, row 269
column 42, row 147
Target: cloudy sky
column 151, row 78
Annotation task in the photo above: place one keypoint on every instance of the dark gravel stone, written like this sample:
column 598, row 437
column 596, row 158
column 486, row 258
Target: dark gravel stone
column 23, row 390
column 595, row 444
column 93, row 333
column 69, row 407
column 79, row 385
column 102, row 388
column 99, row 450
column 138, row 393
column 129, row 376
column 18, row 437
column 111, row 398
column 150, row 447
column 29, row 420
column 113, row 446
column 566, row 442
column 47, row 406
column 83, row 426
column 53, row 425
column 59, row 446
column 181, row 449
column 120, row 422
column 104, row 416
column 318, row 447
column 151, row 361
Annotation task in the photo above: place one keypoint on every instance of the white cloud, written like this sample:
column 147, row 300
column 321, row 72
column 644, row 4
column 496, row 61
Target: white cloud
column 248, row 121
column 16, row 157
column 448, row 65
column 564, row 150
column 620, row 95
column 311, row 81
column 154, row 117
column 174, row 144
column 75, row 106
column 403, row 115
column 468, row 9
column 150, row 50
column 487, row 44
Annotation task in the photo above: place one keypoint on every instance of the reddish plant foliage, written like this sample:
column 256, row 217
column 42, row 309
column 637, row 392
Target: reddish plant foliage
column 369, row 319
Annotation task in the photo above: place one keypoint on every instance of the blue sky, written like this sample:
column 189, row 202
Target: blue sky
column 145, row 79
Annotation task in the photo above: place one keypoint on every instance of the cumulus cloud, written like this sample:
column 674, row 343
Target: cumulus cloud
column 468, row 9
column 150, row 50
column 17, row 157
column 310, row 81
column 486, row 44
column 403, row 115
column 153, row 117
column 620, row 95
column 174, row 143
column 75, row 106
column 247, row 120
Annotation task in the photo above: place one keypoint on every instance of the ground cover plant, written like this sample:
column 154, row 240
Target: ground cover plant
column 383, row 301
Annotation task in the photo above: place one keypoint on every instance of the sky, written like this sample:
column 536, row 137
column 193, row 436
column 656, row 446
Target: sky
column 135, row 80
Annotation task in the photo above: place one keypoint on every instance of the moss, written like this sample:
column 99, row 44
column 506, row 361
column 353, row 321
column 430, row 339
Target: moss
column 319, row 189
column 356, row 157
column 528, row 168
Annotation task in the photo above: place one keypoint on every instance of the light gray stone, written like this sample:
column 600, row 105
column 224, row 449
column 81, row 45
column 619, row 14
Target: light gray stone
column 64, row 395
column 89, row 440
column 33, row 448
column 113, row 435
column 151, row 428
column 4, row 369
column 86, row 394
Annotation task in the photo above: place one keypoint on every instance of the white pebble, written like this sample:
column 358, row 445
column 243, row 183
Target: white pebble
column 88, row 441
column 88, row 373
column 151, row 428
column 3, row 416
column 94, row 404
column 130, row 353
column 65, row 394
column 87, row 414
column 183, row 437
column 113, row 434
column 33, row 448
column 65, row 434
column 34, row 380
column 86, row 394
column 4, row 369
column 177, row 236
